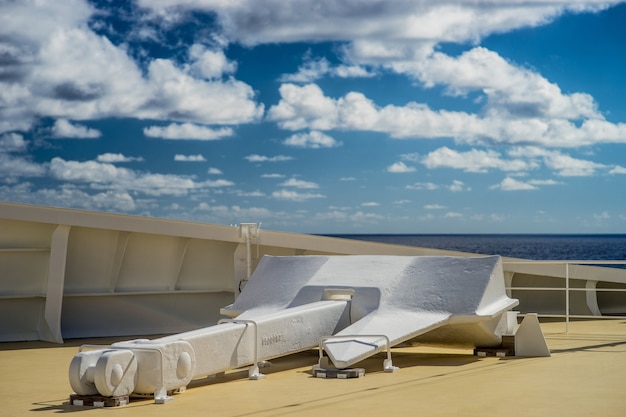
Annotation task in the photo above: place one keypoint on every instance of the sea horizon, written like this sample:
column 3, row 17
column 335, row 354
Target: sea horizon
column 538, row 246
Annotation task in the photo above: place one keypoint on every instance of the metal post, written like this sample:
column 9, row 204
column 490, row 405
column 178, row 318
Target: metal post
column 567, row 297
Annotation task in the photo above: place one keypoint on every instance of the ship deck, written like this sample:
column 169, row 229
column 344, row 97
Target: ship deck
column 584, row 377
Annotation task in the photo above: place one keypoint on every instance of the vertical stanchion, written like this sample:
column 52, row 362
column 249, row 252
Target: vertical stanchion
column 567, row 297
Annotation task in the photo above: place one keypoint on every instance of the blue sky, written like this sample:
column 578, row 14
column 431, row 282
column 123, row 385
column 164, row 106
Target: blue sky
column 320, row 116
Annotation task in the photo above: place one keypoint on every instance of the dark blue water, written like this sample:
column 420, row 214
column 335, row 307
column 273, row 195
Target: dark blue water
column 538, row 247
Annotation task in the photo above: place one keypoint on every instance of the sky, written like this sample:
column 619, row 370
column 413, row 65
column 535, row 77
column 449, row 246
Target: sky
column 320, row 116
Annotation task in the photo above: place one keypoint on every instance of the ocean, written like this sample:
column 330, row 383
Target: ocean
column 526, row 246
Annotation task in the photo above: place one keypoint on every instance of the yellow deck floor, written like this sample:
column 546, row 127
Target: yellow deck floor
column 586, row 376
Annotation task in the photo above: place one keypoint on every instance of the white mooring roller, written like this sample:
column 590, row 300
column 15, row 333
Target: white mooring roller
column 352, row 307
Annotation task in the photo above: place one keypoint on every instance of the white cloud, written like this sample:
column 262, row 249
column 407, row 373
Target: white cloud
column 564, row 165
column 13, row 167
column 177, row 95
column 12, row 142
column 69, row 195
column 105, row 176
column 400, row 168
column 404, row 22
column 474, row 161
column 314, row 69
column 255, row 193
column 306, row 107
column 434, row 207
column 272, row 176
column 511, row 184
column 214, row 171
column 516, row 91
column 457, row 186
column 234, row 213
column 309, row 71
column 601, row 216
column 64, row 129
column 189, row 158
column 303, row 107
column 362, row 217
column 117, row 157
column 453, row 215
column 312, row 140
column 209, row 63
column 617, row 170
column 187, row 131
column 215, row 184
column 294, row 195
column 423, row 186
column 544, row 182
column 296, row 183
column 411, row 157
column 51, row 77
column 401, row 202
column 262, row 158
column 370, row 204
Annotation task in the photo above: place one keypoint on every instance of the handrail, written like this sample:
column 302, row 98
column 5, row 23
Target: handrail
column 567, row 289
column 253, row 372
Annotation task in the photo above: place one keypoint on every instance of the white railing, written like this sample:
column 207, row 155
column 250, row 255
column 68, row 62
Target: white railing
column 568, row 289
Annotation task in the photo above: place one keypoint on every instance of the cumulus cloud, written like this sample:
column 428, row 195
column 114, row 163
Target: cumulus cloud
column 48, row 76
column 458, row 186
column 511, row 184
column 434, row 207
column 314, row 69
column 252, row 23
column 70, row 195
column 290, row 195
column 12, row 142
column 474, row 161
column 215, row 184
column 214, row 171
column 13, row 164
column 64, row 129
column 516, row 91
column 210, row 63
column 453, row 215
column 189, row 158
column 106, row 176
column 311, row 140
column 13, row 167
column 400, row 168
column 117, row 157
column 307, row 107
column 422, row 186
column 234, row 213
column 187, row 131
column 263, row 158
column 296, row 183
column 563, row 164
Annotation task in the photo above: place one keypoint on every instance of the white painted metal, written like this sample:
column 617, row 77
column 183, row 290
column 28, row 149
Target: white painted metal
column 125, row 275
column 529, row 339
column 169, row 363
column 592, row 297
column 353, row 306
column 50, row 329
